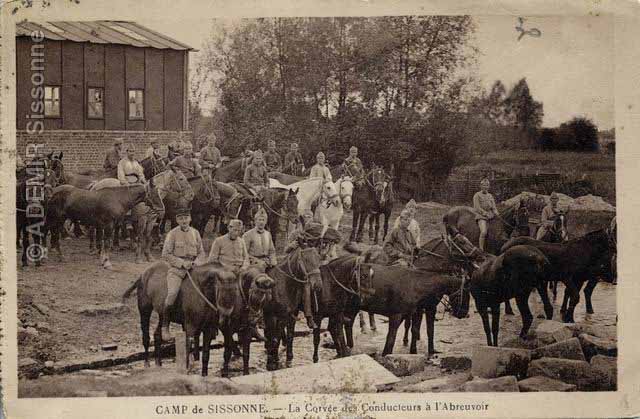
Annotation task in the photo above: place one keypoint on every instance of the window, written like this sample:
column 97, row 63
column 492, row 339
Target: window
column 52, row 101
column 136, row 104
column 95, row 102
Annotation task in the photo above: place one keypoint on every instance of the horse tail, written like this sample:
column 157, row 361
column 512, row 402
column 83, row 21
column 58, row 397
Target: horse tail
column 132, row 288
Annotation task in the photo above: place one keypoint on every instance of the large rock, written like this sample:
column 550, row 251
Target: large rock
column 607, row 367
column 502, row 384
column 404, row 364
column 492, row 362
column 102, row 309
column 604, row 332
column 541, row 383
column 448, row 383
column 592, row 345
column 455, row 363
column 568, row 349
column 570, row 371
column 551, row 331
column 529, row 343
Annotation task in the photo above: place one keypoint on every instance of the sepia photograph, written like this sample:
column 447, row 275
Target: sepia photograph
column 315, row 205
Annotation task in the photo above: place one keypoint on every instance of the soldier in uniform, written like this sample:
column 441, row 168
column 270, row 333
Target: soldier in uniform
column 293, row 239
column 256, row 174
column 548, row 216
column 230, row 250
column 272, row 158
column 485, row 206
column 113, row 157
column 319, row 169
column 328, row 248
column 259, row 242
column 353, row 164
column 129, row 171
column 182, row 250
column 210, row 157
column 175, row 149
column 153, row 150
column 400, row 245
column 186, row 164
column 293, row 162
column 414, row 227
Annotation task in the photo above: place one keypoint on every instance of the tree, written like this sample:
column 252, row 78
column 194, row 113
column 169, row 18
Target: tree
column 581, row 134
column 523, row 111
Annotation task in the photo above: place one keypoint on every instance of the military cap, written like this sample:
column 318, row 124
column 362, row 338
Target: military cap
column 260, row 214
column 332, row 235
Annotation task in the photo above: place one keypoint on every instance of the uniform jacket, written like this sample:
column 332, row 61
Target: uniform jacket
column 273, row 161
column 210, row 156
column 400, row 244
column 231, row 254
column 186, row 165
column 485, row 205
column 180, row 246
column 255, row 175
column 320, row 171
column 260, row 245
column 127, row 169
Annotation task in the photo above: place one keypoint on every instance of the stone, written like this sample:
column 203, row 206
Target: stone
column 41, row 308
column 31, row 332
column 604, row 332
column 493, row 362
column 455, row 363
column 102, row 309
column 593, row 345
column 358, row 373
column 482, row 385
column 49, row 364
column 404, row 364
column 551, row 331
column 448, row 383
column 529, row 343
column 27, row 362
column 370, row 349
column 541, row 383
column 568, row 349
column 109, row 347
column 568, row 370
column 606, row 366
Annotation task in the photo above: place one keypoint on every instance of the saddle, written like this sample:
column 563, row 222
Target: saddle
column 247, row 192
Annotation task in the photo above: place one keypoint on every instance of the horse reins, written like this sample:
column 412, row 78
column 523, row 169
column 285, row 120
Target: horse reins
column 354, row 273
column 206, row 300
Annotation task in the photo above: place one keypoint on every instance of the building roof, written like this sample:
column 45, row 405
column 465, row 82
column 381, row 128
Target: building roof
column 102, row 32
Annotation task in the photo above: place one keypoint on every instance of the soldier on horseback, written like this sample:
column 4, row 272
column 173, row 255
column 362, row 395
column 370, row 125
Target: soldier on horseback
column 400, row 245
column 113, row 157
column 293, row 162
column 353, row 166
column 320, row 169
column 293, row 241
column 485, row 207
column 153, row 151
column 414, row 227
column 272, row 158
column 262, row 252
column 256, row 174
column 129, row 171
column 210, row 157
column 329, row 243
column 182, row 249
column 548, row 216
column 230, row 250
column 186, row 164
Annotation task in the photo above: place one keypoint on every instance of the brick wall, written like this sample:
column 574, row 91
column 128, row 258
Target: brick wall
column 86, row 149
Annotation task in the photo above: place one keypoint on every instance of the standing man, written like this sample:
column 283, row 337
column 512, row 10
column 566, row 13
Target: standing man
column 272, row 158
column 210, row 157
column 353, row 164
column 259, row 242
column 113, row 157
column 182, row 250
column 400, row 244
column 256, row 174
column 319, row 169
column 485, row 206
column 153, row 150
column 230, row 250
column 293, row 162
column 186, row 164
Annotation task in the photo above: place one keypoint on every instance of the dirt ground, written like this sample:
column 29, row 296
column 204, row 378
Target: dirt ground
column 51, row 297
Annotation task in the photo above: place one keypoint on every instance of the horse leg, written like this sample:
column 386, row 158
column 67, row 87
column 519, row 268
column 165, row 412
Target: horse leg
column 372, row 323
column 548, row 308
column 246, row 347
column 228, row 349
column 363, row 326
column 377, row 232
column 99, row 233
column 316, row 343
column 482, row 310
column 145, row 318
column 348, row 328
column 588, row 291
column 413, row 321
column 527, row 318
column 553, row 285
column 507, row 308
column 408, row 321
column 394, row 324
column 495, row 322
column 108, row 237
column 372, row 222
column 291, row 325
column 340, row 335
column 157, row 340
column 431, row 320
column 571, row 299
column 354, row 225
column 272, row 336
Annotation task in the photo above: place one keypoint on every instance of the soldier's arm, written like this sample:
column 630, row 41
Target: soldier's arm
column 167, row 252
column 141, row 173
column 247, row 173
column 201, row 259
column 121, row 177
column 389, row 246
column 272, row 252
column 245, row 262
column 214, row 253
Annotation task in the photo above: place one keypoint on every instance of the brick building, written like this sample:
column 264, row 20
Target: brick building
column 86, row 83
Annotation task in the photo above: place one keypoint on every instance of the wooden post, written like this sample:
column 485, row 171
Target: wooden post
column 182, row 360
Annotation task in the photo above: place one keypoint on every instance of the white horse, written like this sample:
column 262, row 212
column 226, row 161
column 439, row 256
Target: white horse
column 330, row 210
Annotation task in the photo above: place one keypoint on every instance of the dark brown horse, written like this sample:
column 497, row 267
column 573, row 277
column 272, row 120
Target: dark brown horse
column 556, row 234
column 515, row 273
column 206, row 201
column 364, row 203
column 291, row 274
column 385, row 197
column 230, row 172
column 152, row 166
column 575, row 262
column 210, row 298
column 34, row 187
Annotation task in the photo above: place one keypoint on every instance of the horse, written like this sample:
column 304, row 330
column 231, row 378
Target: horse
column 329, row 211
column 206, row 200
column 515, row 273
column 209, row 299
column 34, row 186
column 575, row 262
column 556, row 234
column 291, row 274
column 153, row 166
column 364, row 204
column 383, row 186
column 395, row 292
column 499, row 229
column 230, row 172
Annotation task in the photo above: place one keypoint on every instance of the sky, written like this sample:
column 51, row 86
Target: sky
column 569, row 67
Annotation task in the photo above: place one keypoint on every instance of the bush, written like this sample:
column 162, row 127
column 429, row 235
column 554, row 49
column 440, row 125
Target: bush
column 579, row 134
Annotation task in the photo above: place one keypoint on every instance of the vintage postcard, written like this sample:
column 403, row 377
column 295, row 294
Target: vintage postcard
column 319, row 209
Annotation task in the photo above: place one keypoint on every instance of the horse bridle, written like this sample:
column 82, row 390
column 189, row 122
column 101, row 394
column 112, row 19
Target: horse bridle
column 355, row 273
column 209, row 188
column 301, row 266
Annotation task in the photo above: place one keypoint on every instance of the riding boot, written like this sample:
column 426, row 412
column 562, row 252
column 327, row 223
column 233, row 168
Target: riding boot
column 308, row 308
column 139, row 253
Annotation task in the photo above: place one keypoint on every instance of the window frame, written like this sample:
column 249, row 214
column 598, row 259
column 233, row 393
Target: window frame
column 44, row 101
column 135, row 118
column 103, row 102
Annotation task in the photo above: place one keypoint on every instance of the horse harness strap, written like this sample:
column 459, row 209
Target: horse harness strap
column 206, row 300
column 290, row 274
column 347, row 289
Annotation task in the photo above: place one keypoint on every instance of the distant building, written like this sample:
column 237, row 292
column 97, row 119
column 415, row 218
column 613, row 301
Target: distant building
column 98, row 80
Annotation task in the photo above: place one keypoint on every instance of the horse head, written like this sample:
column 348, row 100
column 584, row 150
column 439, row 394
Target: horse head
column 459, row 297
column 559, row 228
column 174, row 182
column 228, row 295
column 291, row 205
column 521, row 220
column 209, row 192
column 379, row 180
column 55, row 162
column 345, row 191
column 330, row 193
column 259, row 292
column 306, row 264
